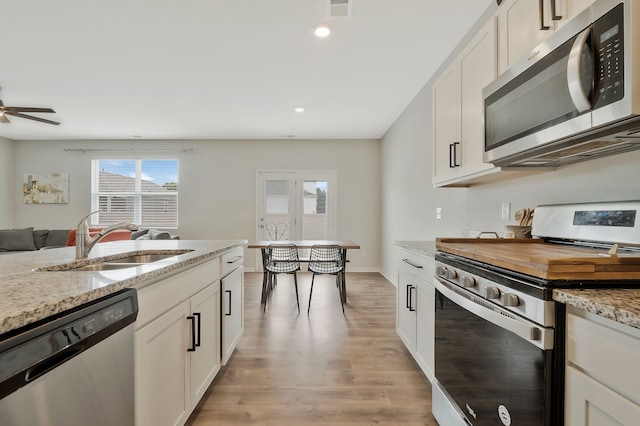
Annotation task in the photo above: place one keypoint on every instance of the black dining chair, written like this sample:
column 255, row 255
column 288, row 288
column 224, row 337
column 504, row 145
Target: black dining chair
column 327, row 259
column 281, row 259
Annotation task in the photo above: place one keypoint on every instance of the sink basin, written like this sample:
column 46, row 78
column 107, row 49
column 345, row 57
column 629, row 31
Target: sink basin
column 119, row 261
column 141, row 258
column 107, row 266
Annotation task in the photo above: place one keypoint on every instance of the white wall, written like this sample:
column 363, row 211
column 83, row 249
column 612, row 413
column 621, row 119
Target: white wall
column 217, row 185
column 6, row 183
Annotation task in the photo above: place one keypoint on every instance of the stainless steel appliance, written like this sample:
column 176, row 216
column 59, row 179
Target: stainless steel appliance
column 576, row 97
column 73, row 369
column 499, row 335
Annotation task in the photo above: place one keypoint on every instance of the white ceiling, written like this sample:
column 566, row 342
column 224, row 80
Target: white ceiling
column 214, row 69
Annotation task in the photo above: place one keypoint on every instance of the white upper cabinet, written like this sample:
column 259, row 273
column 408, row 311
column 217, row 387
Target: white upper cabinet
column 524, row 24
column 458, row 110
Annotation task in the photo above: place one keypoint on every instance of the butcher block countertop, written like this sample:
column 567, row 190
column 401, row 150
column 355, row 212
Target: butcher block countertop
column 547, row 261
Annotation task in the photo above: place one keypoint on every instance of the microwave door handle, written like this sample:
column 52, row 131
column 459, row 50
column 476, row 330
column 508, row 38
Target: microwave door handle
column 574, row 77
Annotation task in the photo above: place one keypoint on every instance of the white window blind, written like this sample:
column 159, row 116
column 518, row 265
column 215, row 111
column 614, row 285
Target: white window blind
column 144, row 192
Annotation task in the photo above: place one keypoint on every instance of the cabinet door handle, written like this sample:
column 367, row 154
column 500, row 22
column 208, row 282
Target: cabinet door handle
column 229, row 305
column 455, row 154
column 411, row 308
column 408, row 296
column 235, row 259
column 197, row 315
column 543, row 27
column 193, row 333
column 553, row 11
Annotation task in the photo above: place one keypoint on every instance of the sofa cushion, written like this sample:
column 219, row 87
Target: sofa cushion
column 40, row 238
column 57, row 237
column 155, row 234
column 17, row 240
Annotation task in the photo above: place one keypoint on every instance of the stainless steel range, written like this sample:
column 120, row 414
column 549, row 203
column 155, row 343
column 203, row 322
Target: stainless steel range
column 499, row 345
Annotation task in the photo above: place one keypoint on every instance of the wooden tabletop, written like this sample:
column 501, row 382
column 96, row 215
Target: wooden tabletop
column 544, row 260
column 306, row 244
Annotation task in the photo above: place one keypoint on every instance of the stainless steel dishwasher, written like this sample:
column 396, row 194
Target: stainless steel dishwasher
column 72, row 369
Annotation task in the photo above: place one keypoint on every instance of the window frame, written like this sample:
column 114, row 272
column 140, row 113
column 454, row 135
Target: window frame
column 137, row 194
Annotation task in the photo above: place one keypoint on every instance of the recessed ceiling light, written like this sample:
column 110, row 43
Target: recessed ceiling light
column 322, row 30
column 299, row 109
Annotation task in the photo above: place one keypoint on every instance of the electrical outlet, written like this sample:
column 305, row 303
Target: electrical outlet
column 438, row 212
column 506, row 211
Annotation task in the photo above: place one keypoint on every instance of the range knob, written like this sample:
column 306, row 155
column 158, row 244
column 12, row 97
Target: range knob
column 451, row 274
column 510, row 299
column 468, row 282
column 492, row 292
column 441, row 270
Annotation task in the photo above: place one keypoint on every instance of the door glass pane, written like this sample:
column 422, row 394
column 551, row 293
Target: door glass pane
column 277, row 222
column 315, row 224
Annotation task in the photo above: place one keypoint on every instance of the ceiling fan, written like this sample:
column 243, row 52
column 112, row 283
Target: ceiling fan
column 19, row 112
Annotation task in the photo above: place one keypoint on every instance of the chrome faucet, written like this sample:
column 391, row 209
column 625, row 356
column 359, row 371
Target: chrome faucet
column 85, row 242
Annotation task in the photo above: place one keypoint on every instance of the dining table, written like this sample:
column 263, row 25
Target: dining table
column 307, row 244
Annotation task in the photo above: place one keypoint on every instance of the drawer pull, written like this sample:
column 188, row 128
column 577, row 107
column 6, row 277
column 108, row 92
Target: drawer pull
column 415, row 265
column 235, row 259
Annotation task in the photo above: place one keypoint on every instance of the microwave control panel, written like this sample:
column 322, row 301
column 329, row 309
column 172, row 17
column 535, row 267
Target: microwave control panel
column 607, row 39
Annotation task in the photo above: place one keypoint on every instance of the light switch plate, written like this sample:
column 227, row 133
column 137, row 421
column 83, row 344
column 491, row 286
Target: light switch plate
column 438, row 212
column 506, row 211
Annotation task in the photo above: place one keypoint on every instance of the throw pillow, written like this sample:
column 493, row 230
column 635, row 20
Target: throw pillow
column 40, row 238
column 155, row 234
column 57, row 237
column 17, row 240
column 137, row 234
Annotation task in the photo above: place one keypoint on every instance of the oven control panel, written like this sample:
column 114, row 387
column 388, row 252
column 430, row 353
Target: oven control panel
column 535, row 309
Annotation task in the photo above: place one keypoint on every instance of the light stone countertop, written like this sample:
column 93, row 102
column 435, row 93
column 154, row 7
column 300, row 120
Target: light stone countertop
column 27, row 296
column 617, row 304
column 423, row 247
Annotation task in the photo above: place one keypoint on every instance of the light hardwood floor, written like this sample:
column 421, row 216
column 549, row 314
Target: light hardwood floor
column 324, row 368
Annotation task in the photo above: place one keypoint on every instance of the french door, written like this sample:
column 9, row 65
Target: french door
column 296, row 205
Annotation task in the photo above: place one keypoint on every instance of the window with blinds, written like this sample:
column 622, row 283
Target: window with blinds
column 144, row 192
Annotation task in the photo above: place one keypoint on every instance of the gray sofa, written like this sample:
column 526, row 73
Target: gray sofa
column 29, row 239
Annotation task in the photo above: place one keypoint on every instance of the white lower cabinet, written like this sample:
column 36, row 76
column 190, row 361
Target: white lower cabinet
column 232, row 312
column 204, row 351
column 602, row 377
column 177, row 357
column 178, row 339
column 415, row 311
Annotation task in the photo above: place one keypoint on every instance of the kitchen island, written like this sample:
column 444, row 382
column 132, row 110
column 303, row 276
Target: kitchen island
column 185, row 329
column 29, row 295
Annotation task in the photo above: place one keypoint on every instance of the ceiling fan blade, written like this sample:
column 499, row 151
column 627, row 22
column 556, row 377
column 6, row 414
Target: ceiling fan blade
column 4, row 119
column 30, row 117
column 26, row 109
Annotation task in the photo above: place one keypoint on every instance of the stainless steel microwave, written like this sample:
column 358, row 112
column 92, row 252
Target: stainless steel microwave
column 576, row 97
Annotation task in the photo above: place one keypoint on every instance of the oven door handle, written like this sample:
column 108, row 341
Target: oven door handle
column 534, row 334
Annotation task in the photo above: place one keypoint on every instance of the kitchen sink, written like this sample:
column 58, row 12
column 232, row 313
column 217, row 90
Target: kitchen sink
column 107, row 266
column 117, row 261
column 140, row 258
